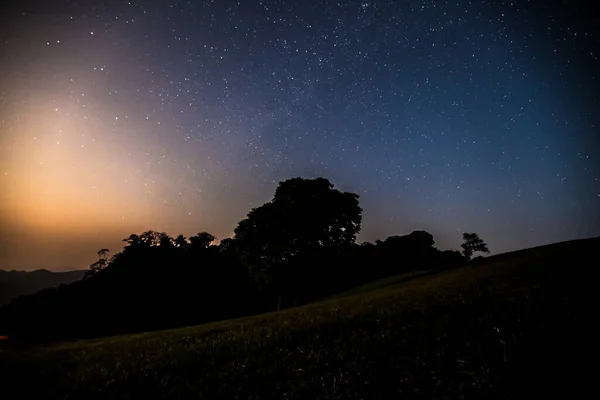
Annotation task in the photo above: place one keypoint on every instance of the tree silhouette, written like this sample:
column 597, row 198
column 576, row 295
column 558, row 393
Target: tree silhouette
column 133, row 240
column 152, row 238
column 166, row 241
column 417, row 243
column 414, row 250
column 148, row 239
column 181, row 242
column 202, row 240
column 227, row 245
column 98, row 265
column 472, row 243
column 305, row 217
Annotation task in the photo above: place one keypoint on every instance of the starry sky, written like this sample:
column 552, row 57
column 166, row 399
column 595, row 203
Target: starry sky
column 179, row 116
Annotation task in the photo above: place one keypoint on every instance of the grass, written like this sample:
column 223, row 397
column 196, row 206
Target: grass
column 507, row 327
column 383, row 283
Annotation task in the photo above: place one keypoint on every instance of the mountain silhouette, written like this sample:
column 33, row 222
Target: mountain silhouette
column 18, row 283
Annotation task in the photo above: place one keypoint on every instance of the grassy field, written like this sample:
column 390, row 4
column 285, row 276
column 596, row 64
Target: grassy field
column 507, row 327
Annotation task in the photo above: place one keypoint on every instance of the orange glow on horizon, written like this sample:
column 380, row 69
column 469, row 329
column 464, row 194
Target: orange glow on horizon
column 71, row 184
column 59, row 179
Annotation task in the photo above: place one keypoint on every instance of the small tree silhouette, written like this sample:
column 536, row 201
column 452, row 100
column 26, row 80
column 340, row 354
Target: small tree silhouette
column 98, row 265
column 473, row 244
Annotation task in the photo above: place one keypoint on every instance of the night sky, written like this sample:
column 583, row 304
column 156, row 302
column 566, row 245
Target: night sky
column 179, row 116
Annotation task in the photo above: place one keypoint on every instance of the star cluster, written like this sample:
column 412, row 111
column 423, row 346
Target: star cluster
column 180, row 116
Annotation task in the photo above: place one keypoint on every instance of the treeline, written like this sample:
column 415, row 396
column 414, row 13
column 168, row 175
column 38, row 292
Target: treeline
column 297, row 248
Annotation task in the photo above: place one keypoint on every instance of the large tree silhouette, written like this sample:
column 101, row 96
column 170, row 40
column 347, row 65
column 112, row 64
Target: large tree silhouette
column 306, row 216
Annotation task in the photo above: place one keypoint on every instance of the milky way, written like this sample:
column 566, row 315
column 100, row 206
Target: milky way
column 122, row 116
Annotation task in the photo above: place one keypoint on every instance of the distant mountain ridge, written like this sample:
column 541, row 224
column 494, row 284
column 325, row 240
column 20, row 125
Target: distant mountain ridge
column 18, row 283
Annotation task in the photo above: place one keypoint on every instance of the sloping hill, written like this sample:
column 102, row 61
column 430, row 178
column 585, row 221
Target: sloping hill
column 510, row 326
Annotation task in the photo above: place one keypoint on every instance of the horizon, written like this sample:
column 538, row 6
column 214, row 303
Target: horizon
column 491, row 254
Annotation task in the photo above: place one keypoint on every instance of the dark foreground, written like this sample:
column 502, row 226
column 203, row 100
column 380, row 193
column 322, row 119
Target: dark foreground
column 508, row 327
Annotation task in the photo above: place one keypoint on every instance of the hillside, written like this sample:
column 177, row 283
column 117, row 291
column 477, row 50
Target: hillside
column 18, row 283
column 508, row 326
